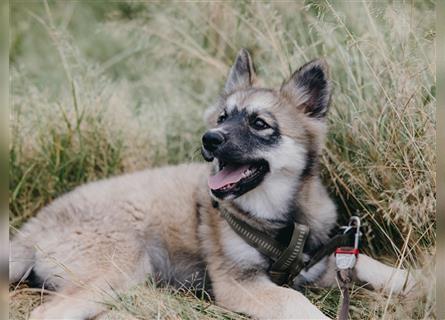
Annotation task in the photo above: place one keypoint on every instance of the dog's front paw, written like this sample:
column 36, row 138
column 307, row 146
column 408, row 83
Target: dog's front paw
column 301, row 311
column 58, row 311
column 43, row 312
column 402, row 283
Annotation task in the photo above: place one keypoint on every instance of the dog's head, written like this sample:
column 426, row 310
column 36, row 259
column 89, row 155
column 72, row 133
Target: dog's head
column 264, row 142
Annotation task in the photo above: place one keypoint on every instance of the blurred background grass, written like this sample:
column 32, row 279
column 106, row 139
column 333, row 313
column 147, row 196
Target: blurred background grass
column 100, row 88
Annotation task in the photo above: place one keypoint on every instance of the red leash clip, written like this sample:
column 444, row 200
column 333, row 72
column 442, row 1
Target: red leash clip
column 346, row 257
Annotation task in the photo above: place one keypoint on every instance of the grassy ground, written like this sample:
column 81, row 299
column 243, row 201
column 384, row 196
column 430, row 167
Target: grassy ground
column 100, row 88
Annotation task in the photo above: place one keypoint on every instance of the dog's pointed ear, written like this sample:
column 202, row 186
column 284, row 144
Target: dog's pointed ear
column 242, row 73
column 310, row 89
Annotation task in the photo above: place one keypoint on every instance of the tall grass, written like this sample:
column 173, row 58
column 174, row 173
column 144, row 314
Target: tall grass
column 103, row 88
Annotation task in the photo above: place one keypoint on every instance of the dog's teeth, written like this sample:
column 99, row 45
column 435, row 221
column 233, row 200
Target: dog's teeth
column 230, row 185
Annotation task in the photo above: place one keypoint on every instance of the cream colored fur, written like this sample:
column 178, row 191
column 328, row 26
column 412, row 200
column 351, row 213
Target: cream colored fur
column 107, row 236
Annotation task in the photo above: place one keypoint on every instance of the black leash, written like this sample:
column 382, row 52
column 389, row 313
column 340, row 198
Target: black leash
column 328, row 248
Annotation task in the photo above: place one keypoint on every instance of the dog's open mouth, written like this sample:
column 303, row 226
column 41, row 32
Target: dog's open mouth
column 236, row 179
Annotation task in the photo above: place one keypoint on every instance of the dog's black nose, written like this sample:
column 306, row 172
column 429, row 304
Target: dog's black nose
column 211, row 140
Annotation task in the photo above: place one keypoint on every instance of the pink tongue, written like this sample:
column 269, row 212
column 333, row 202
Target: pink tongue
column 226, row 176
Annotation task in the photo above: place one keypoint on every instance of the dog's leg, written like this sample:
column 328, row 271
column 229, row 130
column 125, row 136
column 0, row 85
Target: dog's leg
column 262, row 299
column 76, row 307
column 374, row 273
column 72, row 304
column 383, row 277
column 83, row 301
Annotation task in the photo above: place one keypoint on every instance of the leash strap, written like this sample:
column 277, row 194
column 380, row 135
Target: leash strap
column 344, row 278
column 345, row 260
column 328, row 248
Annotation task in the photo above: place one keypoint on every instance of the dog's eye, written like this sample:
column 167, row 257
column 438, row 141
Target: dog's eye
column 260, row 124
column 222, row 117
